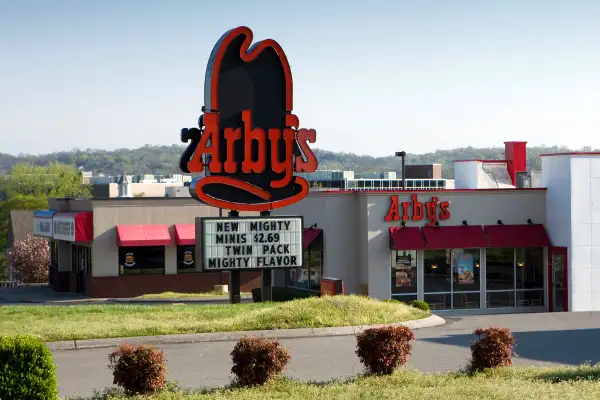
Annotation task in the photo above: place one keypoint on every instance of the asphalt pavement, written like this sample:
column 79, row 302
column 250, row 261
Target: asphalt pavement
column 541, row 339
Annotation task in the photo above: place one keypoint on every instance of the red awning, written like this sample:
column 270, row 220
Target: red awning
column 517, row 235
column 143, row 235
column 73, row 226
column 455, row 237
column 406, row 238
column 185, row 234
column 309, row 235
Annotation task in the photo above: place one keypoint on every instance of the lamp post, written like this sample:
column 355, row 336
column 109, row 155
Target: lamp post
column 402, row 154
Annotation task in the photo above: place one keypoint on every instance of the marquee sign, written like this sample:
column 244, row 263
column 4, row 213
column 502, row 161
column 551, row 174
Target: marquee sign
column 415, row 210
column 248, row 143
column 249, row 243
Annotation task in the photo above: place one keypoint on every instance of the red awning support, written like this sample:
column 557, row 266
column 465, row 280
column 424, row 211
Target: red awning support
column 185, row 234
column 406, row 238
column 309, row 235
column 533, row 235
column 143, row 235
column 455, row 237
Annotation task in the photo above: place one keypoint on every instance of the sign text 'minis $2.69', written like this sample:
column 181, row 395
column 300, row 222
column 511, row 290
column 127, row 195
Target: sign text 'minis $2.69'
column 249, row 144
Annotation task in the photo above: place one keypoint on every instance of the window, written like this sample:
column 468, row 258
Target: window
column 145, row 260
column 515, row 277
column 309, row 275
column 404, row 275
column 451, row 278
column 186, row 259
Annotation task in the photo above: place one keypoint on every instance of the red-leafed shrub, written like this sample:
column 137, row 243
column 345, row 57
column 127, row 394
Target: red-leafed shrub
column 138, row 369
column 384, row 349
column 493, row 348
column 257, row 360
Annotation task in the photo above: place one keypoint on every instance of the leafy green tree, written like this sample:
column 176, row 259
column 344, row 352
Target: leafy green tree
column 29, row 186
column 53, row 180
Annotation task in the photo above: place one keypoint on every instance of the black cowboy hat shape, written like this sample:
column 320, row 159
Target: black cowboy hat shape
column 248, row 139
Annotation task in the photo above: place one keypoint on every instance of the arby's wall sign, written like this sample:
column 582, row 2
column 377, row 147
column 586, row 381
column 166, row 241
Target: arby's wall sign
column 248, row 143
column 431, row 210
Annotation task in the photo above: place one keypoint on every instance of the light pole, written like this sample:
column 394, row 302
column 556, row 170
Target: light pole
column 402, row 154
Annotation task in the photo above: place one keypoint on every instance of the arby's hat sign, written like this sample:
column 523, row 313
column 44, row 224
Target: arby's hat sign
column 248, row 141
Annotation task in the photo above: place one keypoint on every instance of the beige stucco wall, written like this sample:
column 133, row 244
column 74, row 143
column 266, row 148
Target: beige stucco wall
column 110, row 213
column 337, row 215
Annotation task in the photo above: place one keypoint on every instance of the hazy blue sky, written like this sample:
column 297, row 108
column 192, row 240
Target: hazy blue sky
column 370, row 76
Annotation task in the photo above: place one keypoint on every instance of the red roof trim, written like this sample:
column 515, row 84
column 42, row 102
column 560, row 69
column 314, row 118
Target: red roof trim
column 455, row 237
column 573, row 153
column 185, row 234
column 483, row 161
column 409, row 191
column 143, row 235
column 406, row 238
column 309, row 235
column 517, row 235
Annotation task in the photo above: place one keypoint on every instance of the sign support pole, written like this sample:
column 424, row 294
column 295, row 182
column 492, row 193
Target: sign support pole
column 234, row 276
column 266, row 276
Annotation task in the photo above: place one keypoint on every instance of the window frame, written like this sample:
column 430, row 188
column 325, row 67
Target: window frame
column 401, row 296
column 453, row 275
column 516, row 292
column 125, row 250
column 181, row 249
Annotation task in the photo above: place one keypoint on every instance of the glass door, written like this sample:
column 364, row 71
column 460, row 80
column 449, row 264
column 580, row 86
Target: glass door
column 559, row 279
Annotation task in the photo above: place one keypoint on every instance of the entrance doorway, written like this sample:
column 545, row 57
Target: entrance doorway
column 558, row 276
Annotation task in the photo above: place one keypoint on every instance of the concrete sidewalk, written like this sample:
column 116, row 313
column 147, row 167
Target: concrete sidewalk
column 428, row 322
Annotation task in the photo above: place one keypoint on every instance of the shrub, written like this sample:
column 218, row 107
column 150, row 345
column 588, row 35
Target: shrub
column 30, row 258
column 26, row 369
column 257, row 360
column 383, row 349
column 138, row 369
column 493, row 348
column 420, row 304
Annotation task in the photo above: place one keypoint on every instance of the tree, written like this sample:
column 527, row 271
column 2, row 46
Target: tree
column 53, row 180
column 30, row 259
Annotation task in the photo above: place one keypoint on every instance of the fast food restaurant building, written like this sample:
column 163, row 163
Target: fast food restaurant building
column 489, row 245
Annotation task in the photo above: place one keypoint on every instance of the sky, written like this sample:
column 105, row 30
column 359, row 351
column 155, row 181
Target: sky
column 372, row 77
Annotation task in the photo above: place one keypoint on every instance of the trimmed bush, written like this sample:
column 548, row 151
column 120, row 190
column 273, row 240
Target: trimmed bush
column 27, row 371
column 138, row 369
column 384, row 349
column 257, row 360
column 492, row 349
column 419, row 304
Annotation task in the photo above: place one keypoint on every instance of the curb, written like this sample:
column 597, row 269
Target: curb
column 428, row 322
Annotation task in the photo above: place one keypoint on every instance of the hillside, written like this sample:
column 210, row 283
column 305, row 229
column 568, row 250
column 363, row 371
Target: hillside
column 165, row 159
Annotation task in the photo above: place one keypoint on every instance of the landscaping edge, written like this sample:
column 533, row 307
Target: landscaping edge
column 428, row 322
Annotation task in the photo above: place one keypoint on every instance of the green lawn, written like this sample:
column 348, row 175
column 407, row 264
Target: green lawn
column 173, row 295
column 54, row 323
column 506, row 384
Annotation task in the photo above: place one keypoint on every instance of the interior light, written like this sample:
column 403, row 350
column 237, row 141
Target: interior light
column 433, row 266
column 477, row 265
column 520, row 263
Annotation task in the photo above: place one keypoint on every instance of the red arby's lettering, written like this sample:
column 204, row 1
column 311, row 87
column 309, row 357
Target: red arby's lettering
column 280, row 163
column 415, row 210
